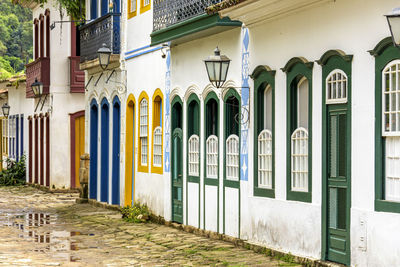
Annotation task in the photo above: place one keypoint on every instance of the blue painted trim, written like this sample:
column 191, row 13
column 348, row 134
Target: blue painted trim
column 117, row 5
column 116, row 150
column 16, row 137
column 144, row 52
column 93, row 9
column 104, row 154
column 22, row 135
column 137, row 49
column 104, row 7
column 94, row 128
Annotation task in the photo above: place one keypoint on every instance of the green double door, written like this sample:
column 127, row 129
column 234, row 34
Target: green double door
column 177, row 176
column 337, row 190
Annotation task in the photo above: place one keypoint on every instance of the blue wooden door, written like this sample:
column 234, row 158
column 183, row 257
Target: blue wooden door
column 94, row 121
column 105, row 118
column 116, row 150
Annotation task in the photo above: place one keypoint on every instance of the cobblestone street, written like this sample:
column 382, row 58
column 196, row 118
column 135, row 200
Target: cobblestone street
column 44, row 229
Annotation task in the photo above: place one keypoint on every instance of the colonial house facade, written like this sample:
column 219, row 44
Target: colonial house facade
column 50, row 123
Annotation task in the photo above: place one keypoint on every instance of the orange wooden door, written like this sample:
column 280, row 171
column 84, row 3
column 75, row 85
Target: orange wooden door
column 79, row 145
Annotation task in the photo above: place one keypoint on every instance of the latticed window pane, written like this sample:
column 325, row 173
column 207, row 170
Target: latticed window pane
column 299, row 160
column 212, row 157
column 391, row 99
column 143, row 131
column 392, row 168
column 232, row 158
column 336, row 87
column 194, row 155
column 146, row 2
column 133, row 6
column 265, row 159
column 157, row 147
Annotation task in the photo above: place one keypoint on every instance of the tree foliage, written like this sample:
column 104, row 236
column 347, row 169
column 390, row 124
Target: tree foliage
column 15, row 38
column 75, row 8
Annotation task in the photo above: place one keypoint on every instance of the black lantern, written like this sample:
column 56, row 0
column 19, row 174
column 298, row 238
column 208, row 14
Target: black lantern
column 37, row 88
column 393, row 20
column 104, row 54
column 217, row 68
column 6, row 110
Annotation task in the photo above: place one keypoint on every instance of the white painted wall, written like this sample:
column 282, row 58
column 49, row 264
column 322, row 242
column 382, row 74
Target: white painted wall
column 354, row 27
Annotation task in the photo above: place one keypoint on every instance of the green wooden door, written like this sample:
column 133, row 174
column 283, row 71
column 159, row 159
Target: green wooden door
column 338, row 184
column 177, row 177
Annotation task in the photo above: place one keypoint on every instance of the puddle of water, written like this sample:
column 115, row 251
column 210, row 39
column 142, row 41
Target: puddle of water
column 33, row 227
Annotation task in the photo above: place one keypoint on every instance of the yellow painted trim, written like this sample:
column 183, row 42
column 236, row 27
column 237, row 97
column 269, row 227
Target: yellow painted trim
column 144, row 8
column 143, row 168
column 154, row 169
column 131, row 14
column 129, row 149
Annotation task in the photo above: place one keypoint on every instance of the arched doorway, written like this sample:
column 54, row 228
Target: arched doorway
column 94, row 128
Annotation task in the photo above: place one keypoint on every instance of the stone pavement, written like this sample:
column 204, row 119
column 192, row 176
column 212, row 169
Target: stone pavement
column 45, row 229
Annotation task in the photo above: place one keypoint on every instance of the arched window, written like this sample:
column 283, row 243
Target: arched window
column 157, row 155
column 36, row 44
column 299, row 129
column 194, row 155
column 212, row 157
column 47, row 14
column 143, row 132
column 391, row 128
column 336, row 87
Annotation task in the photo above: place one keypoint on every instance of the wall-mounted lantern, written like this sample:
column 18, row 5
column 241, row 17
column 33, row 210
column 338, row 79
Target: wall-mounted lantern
column 37, row 88
column 393, row 20
column 104, row 54
column 6, row 110
column 217, row 68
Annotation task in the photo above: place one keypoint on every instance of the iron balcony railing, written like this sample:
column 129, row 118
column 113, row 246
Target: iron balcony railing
column 104, row 30
column 170, row 12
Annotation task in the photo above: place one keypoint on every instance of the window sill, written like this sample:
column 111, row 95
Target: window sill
column 299, row 196
column 387, row 206
column 264, row 192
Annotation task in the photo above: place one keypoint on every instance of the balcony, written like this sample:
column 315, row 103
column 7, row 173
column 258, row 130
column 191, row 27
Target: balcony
column 184, row 20
column 76, row 76
column 103, row 30
column 40, row 70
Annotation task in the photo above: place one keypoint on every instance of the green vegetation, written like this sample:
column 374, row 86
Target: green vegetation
column 15, row 173
column 74, row 8
column 15, row 38
column 138, row 213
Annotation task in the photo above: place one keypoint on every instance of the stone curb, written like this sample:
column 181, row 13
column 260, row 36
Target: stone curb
column 49, row 190
column 103, row 205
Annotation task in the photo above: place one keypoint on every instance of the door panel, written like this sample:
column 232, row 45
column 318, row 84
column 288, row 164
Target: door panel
column 338, row 195
column 177, row 176
column 79, row 146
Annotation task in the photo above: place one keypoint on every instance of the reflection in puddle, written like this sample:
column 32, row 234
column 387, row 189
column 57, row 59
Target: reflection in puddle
column 34, row 227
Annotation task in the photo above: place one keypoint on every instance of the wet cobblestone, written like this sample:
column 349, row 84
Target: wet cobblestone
column 45, row 229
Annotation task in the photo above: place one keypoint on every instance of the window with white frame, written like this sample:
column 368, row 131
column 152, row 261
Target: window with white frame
column 157, row 147
column 336, row 87
column 143, row 131
column 265, row 142
column 232, row 158
column 212, row 157
column 146, row 2
column 299, row 140
column 194, row 155
column 5, row 136
column 391, row 129
column 265, row 159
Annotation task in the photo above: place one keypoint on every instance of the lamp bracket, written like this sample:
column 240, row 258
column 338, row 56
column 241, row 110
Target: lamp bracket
column 53, row 25
column 98, row 79
column 91, row 77
column 42, row 101
column 113, row 71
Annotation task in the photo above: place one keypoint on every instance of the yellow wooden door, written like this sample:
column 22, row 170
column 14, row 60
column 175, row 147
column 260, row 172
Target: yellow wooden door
column 79, row 145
